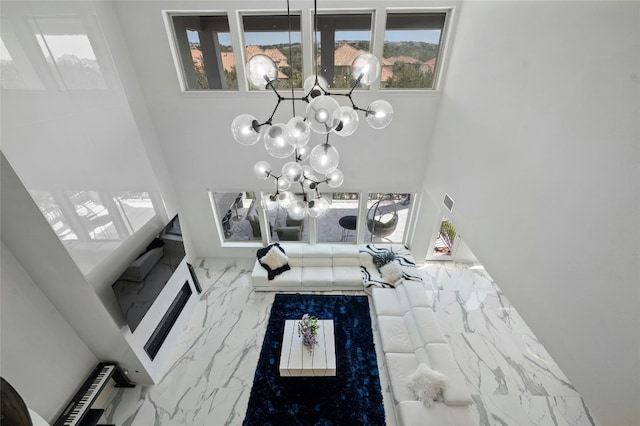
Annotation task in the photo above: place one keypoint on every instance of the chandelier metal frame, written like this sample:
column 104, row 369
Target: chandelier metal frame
column 324, row 115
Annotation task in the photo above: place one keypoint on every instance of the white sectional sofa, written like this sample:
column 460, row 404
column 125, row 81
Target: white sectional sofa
column 411, row 335
column 320, row 267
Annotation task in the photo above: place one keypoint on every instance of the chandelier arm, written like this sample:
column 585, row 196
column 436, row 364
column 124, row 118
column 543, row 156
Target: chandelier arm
column 270, row 119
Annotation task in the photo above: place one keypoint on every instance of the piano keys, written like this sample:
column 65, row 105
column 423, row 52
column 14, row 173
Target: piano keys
column 79, row 411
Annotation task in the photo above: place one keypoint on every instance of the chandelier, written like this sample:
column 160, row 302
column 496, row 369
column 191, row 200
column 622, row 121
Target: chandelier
column 324, row 115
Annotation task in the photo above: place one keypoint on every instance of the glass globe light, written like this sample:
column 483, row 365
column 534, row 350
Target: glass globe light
column 347, row 119
column 318, row 207
column 313, row 89
column 284, row 199
column 319, row 114
column 307, row 171
column 275, row 141
column 304, row 152
column 298, row 132
column 292, row 172
column 269, row 202
column 379, row 114
column 244, row 130
column 297, row 210
column 366, row 67
column 262, row 169
column 283, row 185
column 336, row 178
column 324, row 158
column 261, row 70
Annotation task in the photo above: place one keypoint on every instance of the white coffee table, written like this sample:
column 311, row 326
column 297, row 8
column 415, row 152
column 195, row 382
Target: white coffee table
column 296, row 360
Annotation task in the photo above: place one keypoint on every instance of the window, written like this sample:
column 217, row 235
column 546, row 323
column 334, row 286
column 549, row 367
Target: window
column 206, row 55
column 288, row 226
column 387, row 216
column 411, row 50
column 269, row 35
column 339, row 224
column 341, row 39
column 238, row 215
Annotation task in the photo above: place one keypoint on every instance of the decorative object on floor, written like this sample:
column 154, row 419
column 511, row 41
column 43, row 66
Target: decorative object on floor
column 353, row 397
column 308, row 330
column 382, row 217
column 274, row 259
column 324, row 115
column 371, row 274
column 427, row 384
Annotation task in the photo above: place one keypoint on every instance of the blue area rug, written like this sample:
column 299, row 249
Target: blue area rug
column 353, row 397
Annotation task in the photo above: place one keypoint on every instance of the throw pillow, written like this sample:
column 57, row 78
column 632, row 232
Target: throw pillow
column 426, row 383
column 384, row 257
column 274, row 260
column 391, row 272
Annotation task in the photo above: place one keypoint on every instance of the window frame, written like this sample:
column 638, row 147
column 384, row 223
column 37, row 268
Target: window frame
column 241, row 14
column 176, row 49
column 311, row 222
column 445, row 42
column 374, row 12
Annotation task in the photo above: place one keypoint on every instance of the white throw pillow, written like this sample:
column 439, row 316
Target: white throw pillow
column 426, row 383
column 274, row 258
column 391, row 272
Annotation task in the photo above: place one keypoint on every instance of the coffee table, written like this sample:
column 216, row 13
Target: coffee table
column 297, row 361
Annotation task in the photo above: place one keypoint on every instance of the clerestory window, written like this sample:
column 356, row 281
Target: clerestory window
column 412, row 48
column 269, row 35
column 206, row 55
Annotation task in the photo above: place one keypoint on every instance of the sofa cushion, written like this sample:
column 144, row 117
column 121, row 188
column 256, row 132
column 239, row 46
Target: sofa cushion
column 416, row 294
column 273, row 259
column 400, row 367
column 442, row 360
column 395, row 335
column 347, row 276
column 426, row 384
column 345, row 251
column 405, row 303
column 290, row 278
column 385, row 301
column 345, row 255
column 317, row 250
column 414, row 413
column 324, row 262
column 414, row 334
column 317, row 276
column 428, row 326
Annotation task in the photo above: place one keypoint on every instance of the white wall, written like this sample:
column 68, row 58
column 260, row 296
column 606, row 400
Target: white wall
column 42, row 356
column 537, row 141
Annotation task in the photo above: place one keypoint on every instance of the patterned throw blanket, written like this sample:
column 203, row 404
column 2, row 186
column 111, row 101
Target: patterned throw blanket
column 387, row 266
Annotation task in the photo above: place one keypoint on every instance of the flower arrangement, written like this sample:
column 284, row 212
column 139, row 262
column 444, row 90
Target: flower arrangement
column 308, row 329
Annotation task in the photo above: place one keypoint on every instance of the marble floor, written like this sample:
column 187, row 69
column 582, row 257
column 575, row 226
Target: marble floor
column 512, row 379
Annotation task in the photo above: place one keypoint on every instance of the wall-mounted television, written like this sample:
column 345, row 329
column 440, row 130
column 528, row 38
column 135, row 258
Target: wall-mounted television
column 140, row 284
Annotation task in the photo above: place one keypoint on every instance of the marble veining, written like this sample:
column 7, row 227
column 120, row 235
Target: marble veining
column 512, row 378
